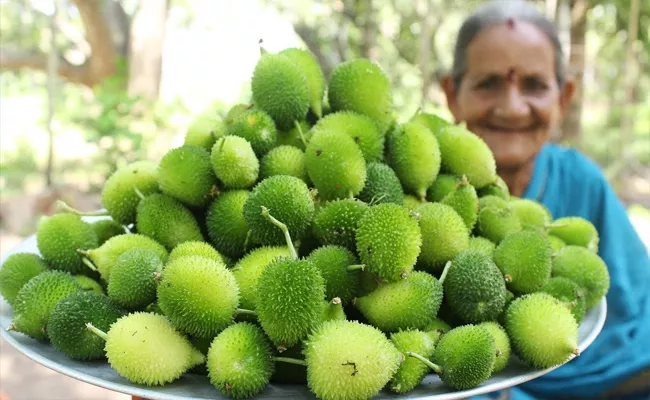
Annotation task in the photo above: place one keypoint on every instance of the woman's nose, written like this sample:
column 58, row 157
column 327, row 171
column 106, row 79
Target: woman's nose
column 512, row 103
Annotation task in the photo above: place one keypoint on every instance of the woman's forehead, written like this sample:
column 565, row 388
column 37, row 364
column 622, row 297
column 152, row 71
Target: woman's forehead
column 518, row 44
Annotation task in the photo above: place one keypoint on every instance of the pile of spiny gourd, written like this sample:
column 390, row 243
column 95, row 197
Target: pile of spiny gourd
column 310, row 237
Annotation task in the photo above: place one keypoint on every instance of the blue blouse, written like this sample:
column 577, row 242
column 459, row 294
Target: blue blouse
column 570, row 184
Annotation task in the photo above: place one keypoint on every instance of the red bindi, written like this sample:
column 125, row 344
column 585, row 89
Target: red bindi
column 511, row 23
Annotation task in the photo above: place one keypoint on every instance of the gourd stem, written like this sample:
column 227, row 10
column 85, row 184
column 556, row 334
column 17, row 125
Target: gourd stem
column 291, row 360
column 96, row 331
column 285, row 230
column 435, row 367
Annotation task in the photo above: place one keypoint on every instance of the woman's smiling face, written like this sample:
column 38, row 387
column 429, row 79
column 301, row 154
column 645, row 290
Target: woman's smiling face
column 509, row 94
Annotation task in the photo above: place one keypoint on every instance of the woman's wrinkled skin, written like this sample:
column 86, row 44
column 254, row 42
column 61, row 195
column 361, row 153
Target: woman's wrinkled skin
column 509, row 95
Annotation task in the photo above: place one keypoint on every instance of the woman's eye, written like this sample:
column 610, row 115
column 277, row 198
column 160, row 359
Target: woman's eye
column 489, row 83
column 534, row 85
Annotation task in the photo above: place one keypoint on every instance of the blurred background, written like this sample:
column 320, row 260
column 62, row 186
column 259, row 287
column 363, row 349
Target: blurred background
column 89, row 85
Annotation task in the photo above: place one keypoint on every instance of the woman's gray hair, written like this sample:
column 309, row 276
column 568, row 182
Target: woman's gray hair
column 498, row 12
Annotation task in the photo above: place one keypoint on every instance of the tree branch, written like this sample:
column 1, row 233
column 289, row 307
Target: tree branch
column 103, row 61
column 14, row 60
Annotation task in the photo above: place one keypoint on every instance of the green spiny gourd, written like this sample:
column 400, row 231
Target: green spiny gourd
column 531, row 213
column 498, row 188
column 414, row 154
column 316, row 83
column 186, row 174
column 481, row 245
column 336, row 222
column 556, row 243
column 279, row 87
column 433, row 122
column 340, row 268
column 542, row 331
column 524, row 258
column 59, row 236
column 234, row 112
column 106, row 229
column 258, row 128
column 89, row 284
column 361, row 128
column 584, row 267
column 411, row 202
column 234, row 162
column 360, row 85
column 67, row 330
column 382, row 185
column 118, row 195
column 228, row 239
column 16, row 271
column 297, row 136
column 411, row 371
column 388, row 241
column 444, row 235
column 501, row 343
column 569, row 293
column 496, row 219
column 442, row 186
column 194, row 248
column 410, row 303
column 284, row 160
column 437, row 325
column 134, row 279
column 576, row 231
column 335, row 165
column 464, row 201
column 36, row 300
column 167, row 221
column 205, row 128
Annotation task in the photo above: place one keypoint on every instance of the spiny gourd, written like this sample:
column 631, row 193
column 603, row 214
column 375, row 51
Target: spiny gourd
column 167, row 221
column 336, row 222
column 361, row 128
column 257, row 128
column 194, row 248
column 501, row 344
column 186, row 174
column 414, row 154
column 335, row 165
column 524, row 258
column 576, row 231
column 444, row 235
column 443, row 185
column 89, row 284
column 205, row 128
column 234, row 112
column 67, row 330
column 481, row 245
column 543, row 332
column 411, row 202
column 36, row 300
column 360, row 85
column 234, row 162
column 349, row 360
column 585, row 268
column 433, row 122
column 496, row 219
column 297, row 136
column 229, row 239
column 16, row 271
column 531, row 213
column 389, row 241
column 569, row 293
column 106, row 229
column 411, row 371
column 382, row 185
column 464, row 201
column 134, row 279
column 59, row 236
column 313, row 73
column 284, row 160
column 498, row 188
column 199, row 295
column 146, row 349
column 340, row 268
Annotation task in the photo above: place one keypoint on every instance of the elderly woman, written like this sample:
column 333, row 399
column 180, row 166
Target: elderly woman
column 509, row 86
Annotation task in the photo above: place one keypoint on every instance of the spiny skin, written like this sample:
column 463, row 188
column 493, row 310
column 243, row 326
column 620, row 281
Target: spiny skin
column 360, row 85
column 337, row 222
column 35, row 301
column 335, row 165
column 481, row 245
column 106, row 229
column 249, row 268
column 442, row 186
column 543, row 332
column 118, row 196
column 465, row 153
column 186, row 174
column 433, row 122
column 59, row 236
column 284, row 160
column 501, row 343
column 16, row 271
column 466, row 355
column 67, row 330
column 294, row 290
column 234, row 162
column 146, row 349
column 361, row 128
column 585, row 268
column 105, row 256
column 411, row 202
column 205, row 129
column 388, row 241
column 414, row 154
column 411, row 371
column 569, row 293
column 258, row 128
column 531, row 213
column 234, row 112
column 228, row 239
column 193, row 248
column 332, row 310
column 474, row 288
column 199, row 295
column 333, row 261
column 279, row 87
column 167, row 221
column 444, row 235
column 349, row 360
column 288, row 200
column 382, row 185
column 524, row 258
column 496, row 219
column 556, row 243
column 437, row 325
column 89, row 284
column 576, row 231
column 240, row 361
column 498, row 188
column 410, row 303
column 291, row 137
column 133, row 280
column 464, row 201
column 315, row 78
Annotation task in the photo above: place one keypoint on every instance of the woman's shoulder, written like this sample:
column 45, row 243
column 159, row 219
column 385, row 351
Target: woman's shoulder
column 575, row 166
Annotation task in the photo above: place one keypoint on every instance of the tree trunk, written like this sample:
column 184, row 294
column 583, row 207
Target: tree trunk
column 146, row 47
column 52, row 68
column 426, row 38
column 571, row 128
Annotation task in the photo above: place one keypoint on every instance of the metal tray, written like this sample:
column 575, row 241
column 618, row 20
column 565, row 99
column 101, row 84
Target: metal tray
column 198, row 387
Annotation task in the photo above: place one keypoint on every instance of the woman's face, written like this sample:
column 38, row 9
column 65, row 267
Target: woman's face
column 509, row 94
